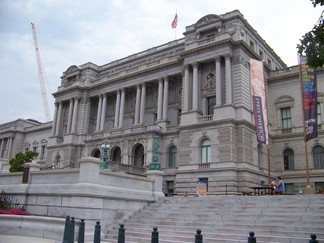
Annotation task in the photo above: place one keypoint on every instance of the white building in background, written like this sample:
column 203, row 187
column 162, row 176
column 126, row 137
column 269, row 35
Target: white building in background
column 198, row 90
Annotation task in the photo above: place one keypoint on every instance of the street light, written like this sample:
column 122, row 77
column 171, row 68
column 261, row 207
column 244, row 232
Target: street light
column 104, row 162
column 155, row 164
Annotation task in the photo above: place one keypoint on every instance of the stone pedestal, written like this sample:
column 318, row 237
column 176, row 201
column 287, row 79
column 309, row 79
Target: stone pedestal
column 308, row 190
column 89, row 170
column 157, row 176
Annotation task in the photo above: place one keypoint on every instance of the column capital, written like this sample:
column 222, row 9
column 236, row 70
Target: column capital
column 228, row 55
column 166, row 77
column 195, row 64
column 217, row 58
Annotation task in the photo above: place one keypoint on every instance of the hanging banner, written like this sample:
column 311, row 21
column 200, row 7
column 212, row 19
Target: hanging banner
column 309, row 95
column 259, row 100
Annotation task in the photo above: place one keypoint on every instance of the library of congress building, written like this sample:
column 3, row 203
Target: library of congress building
column 188, row 105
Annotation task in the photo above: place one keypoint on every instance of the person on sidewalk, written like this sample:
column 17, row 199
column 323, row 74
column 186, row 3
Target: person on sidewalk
column 280, row 186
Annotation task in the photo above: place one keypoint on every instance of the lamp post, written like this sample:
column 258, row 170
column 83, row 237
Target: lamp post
column 104, row 162
column 155, row 164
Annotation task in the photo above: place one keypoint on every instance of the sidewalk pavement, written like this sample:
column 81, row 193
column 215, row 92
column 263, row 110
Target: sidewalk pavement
column 26, row 239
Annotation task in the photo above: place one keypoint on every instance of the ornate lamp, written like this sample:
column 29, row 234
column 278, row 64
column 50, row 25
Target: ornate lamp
column 155, row 164
column 104, row 162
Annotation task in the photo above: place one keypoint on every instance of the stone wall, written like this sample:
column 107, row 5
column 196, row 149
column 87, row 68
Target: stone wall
column 88, row 192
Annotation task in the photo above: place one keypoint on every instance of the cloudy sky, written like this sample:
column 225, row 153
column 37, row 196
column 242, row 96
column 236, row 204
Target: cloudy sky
column 100, row 31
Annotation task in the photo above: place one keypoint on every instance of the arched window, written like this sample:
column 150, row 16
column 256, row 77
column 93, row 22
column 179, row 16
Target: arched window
column 288, row 159
column 139, row 155
column 116, row 155
column 318, row 157
column 172, row 157
column 96, row 153
column 205, row 151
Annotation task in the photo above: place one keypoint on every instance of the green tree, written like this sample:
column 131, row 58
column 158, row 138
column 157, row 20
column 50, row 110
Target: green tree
column 312, row 43
column 17, row 163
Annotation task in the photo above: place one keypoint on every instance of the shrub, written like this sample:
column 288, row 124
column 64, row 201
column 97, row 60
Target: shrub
column 8, row 207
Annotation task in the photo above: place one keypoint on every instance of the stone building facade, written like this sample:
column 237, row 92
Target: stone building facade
column 198, row 90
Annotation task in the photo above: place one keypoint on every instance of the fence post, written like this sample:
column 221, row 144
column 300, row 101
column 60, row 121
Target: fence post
column 66, row 230
column 71, row 230
column 313, row 239
column 96, row 238
column 81, row 231
column 155, row 235
column 251, row 238
column 121, row 234
column 198, row 236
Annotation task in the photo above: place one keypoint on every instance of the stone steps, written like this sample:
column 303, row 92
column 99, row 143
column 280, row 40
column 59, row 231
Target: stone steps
column 289, row 219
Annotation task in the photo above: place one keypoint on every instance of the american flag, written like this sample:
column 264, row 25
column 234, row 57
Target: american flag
column 175, row 21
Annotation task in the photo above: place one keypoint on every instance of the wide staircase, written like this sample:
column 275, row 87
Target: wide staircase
column 273, row 219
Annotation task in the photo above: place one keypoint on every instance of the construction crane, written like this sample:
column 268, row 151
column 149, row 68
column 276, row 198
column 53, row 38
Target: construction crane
column 41, row 76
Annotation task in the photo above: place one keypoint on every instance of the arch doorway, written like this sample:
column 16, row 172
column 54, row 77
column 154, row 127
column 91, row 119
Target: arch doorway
column 116, row 155
column 139, row 156
column 96, row 153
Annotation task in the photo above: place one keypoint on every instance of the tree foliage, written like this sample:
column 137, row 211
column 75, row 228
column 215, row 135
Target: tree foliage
column 312, row 43
column 17, row 163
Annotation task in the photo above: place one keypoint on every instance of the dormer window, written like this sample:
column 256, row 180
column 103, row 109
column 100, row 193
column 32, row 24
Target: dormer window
column 71, row 79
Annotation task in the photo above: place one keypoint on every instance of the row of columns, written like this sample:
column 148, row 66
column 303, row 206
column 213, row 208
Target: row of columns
column 72, row 116
column 190, row 99
column 191, row 96
column 140, row 101
column 5, row 150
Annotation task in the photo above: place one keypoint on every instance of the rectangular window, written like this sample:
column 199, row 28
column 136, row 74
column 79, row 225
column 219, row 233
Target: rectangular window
column 211, row 102
column 319, row 115
column 170, row 187
column 35, row 149
column 286, row 118
column 42, row 152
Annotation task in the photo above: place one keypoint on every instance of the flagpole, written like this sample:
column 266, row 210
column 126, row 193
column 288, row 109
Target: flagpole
column 308, row 189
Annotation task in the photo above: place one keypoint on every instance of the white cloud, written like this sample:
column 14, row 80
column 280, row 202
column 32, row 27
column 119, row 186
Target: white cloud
column 75, row 32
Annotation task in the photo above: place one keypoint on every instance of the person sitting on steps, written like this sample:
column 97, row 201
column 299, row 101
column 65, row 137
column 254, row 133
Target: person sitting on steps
column 280, row 186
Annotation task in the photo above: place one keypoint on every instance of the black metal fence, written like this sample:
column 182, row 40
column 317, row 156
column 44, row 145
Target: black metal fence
column 70, row 228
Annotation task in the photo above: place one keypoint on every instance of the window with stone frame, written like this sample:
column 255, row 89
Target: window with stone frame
column 318, row 157
column 288, row 159
column 286, row 121
column 319, row 115
column 211, row 102
column 172, row 160
column 206, row 151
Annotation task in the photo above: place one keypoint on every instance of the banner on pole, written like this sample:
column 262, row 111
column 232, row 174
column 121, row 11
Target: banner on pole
column 309, row 96
column 259, row 100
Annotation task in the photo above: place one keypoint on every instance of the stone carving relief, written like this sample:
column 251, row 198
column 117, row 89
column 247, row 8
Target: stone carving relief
column 238, row 59
column 209, row 82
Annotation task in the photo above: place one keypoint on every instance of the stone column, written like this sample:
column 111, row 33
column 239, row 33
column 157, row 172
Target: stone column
column 137, row 105
column 186, row 89
column 165, row 98
column 54, row 119
column 1, row 147
column 69, row 124
column 195, row 87
column 143, row 96
column 218, row 82
column 103, row 112
column 75, row 114
column 122, row 108
column 228, row 80
column 160, row 100
column 9, row 143
column 99, row 113
column 58, row 122
column 117, row 107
